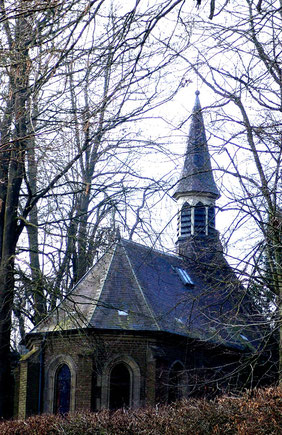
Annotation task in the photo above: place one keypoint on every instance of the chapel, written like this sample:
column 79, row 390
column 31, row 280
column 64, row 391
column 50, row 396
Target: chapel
column 144, row 327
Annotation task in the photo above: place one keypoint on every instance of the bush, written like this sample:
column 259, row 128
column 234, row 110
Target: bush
column 252, row 413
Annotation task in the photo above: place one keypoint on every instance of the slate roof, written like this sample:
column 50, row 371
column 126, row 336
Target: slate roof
column 197, row 176
column 136, row 288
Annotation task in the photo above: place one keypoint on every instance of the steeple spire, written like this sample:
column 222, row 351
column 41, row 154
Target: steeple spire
column 197, row 177
column 196, row 191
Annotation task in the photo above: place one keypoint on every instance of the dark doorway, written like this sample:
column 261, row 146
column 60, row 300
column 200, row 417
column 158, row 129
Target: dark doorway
column 62, row 390
column 175, row 383
column 119, row 387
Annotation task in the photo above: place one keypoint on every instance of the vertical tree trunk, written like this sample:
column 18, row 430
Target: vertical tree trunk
column 39, row 302
column 8, row 250
column 11, row 173
column 6, row 301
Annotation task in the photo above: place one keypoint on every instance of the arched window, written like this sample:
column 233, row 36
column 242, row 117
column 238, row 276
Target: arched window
column 120, row 384
column 54, row 375
column 176, row 383
column 62, row 390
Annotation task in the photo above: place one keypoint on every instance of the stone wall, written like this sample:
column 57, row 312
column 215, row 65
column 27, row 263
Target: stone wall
column 91, row 357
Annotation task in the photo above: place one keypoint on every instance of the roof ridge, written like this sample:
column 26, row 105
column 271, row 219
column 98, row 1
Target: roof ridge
column 175, row 255
column 140, row 288
column 103, row 283
column 72, row 290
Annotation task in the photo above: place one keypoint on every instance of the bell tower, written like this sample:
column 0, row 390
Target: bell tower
column 196, row 192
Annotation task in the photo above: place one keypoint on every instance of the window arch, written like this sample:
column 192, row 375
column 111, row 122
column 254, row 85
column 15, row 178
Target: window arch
column 120, row 387
column 62, row 389
column 60, row 380
column 177, row 382
column 120, row 384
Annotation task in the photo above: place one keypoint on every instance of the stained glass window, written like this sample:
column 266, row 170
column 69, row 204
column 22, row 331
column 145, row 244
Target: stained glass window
column 62, row 390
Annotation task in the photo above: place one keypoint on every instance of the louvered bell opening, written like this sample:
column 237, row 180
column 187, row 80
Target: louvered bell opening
column 200, row 219
column 211, row 220
column 185, row 221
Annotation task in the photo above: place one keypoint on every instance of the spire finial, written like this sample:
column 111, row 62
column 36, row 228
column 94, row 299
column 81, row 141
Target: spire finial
column 197, row 92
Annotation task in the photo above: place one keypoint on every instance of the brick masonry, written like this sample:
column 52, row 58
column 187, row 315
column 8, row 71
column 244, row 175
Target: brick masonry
column 91, row 354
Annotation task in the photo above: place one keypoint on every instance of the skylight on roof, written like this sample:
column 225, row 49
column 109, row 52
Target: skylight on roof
column 184, row 276
column 122, row 313
column 179, row 320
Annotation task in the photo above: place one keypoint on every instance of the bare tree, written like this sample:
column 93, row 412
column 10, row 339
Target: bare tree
column 238, row 59
column 72, row 75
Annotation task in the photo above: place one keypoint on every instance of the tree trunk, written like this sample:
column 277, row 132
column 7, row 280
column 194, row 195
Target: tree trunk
column 11, row 174
column 10, row 236
column 39, row 302
column 6, row 301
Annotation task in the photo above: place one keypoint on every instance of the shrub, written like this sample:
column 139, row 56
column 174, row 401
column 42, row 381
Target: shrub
column 252, row 413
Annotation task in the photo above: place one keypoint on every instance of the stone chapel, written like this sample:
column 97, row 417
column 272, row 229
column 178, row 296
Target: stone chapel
column 144, row 327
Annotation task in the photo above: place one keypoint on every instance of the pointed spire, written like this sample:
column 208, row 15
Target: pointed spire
column 196, row 194
column 197, row 177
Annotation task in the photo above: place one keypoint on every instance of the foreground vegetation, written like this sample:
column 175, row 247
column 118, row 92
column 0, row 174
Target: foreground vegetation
column 254, row 413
